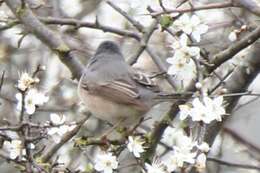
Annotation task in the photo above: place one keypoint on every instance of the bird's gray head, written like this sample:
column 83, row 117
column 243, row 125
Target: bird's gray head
column 108, row 47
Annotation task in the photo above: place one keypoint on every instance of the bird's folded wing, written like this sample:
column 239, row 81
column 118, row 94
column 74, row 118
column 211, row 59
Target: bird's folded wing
column 119, row 91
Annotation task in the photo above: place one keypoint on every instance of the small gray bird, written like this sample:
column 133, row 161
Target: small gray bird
column 112, row 90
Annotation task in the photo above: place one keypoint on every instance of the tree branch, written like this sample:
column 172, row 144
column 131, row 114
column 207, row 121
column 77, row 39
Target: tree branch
column 47, row 36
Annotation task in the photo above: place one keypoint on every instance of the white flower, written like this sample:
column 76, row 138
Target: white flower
column 60, row 129
column 26, row 81
column 171, row 162
column 182, row 49
column 201, row 162
column 181, row 68
column 171, row 135
column 106, row 163
column 204, row 147
column 183, row 154
column 15, row 148
column 156, row 167
column 185, row 142
column 135, row 145
column 198, row 85
column 191, row 26
column 215, row 107
column 232, row 36
column 181, row 62
column 199, row 112
column 206, row 111
column 32, row 99
column 57, row 119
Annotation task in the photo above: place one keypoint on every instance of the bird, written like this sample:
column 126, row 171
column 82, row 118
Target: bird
column 113, row 91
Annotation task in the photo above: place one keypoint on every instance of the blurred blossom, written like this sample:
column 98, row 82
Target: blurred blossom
column 156, row 167
column 232, row 36
column 191, row 25
column 201, row 162
column 106, row 163
column 57, row 119
column 135, row 145
column 171, row 162
column 14, row 148
column 171, row 135
column 207, row 110
column 204, row 147
column 32, row 99
column 71, row 8
column 60, row 128
column 26, row 81
column 138, row 9
column 183, row 155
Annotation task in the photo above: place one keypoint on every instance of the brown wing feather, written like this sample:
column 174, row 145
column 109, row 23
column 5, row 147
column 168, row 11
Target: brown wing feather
column 118, row 91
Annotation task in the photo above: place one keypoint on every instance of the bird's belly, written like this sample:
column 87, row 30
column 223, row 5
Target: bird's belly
column 110, row 111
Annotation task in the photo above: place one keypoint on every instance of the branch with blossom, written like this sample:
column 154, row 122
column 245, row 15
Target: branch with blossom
column 197, row 119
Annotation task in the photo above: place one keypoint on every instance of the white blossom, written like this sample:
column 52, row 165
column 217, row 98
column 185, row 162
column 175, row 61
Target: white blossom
column 204, row 147
column 182, row 50
column 185, row 142
column 171, row 135
column 57, row 119
column 26, row 81
column 171, row 162
column 232, row 36
column 32, row 99
column 206, row 110
column 199, row 112
column 181, row 68
column 106, row 162
column 215, row 107
column 198, row 85
column 156, row 167
column 201, row 162
column 181, row 62
column 135, row 145
column 14, row 148
column 183, row 154
column 59, row 128
column 191, row 25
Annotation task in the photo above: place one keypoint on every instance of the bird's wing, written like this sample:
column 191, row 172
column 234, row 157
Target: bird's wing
column 120, row 91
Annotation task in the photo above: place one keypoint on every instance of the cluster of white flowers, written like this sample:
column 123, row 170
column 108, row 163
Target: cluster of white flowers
column 16, row 149
column 181, row 62
column 191, row 25
column 184, row 150
column 206, row 110
column 59, row 128
column 32, row 97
